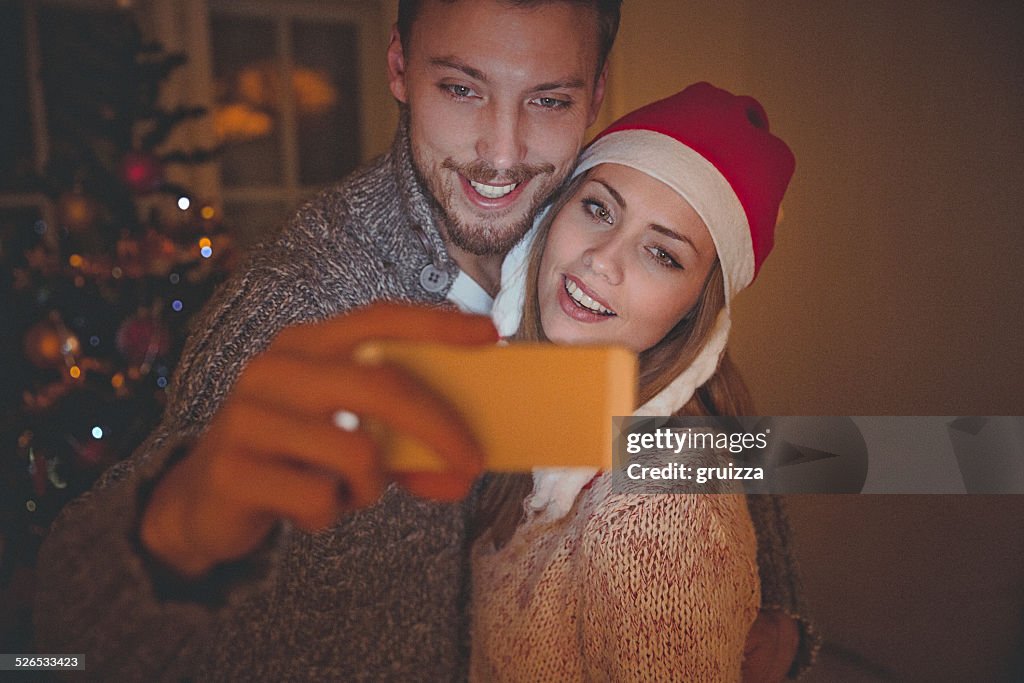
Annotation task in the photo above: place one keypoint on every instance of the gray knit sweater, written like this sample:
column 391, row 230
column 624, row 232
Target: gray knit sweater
column 380, row 596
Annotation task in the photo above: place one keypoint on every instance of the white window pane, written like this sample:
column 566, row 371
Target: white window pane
column 325, row 84
column 247, row 111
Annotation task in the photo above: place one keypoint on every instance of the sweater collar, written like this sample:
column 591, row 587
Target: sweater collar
column 422, row 212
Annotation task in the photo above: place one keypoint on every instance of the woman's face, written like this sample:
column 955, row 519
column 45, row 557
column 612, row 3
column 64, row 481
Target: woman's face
column 626, row 258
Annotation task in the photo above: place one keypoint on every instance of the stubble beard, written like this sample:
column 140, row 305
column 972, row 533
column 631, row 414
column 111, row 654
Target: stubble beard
column 492, row 235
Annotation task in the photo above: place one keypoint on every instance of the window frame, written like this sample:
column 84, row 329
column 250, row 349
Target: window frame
column 184, row 25
column 366, row 17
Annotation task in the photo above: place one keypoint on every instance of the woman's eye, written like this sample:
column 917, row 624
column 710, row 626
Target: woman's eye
column 598, row 211
column 663, row 257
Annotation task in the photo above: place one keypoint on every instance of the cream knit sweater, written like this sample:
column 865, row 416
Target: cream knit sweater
column 624, row 587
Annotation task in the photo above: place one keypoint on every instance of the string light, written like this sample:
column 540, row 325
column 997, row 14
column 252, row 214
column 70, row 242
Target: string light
column 97, row 432
column 184, row 203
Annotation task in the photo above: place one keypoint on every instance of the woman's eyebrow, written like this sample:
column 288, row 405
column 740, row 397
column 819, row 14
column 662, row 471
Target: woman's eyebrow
column 613, row 192
column 672, row 234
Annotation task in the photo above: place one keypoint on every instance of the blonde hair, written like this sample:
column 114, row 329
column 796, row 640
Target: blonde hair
column 500, row 507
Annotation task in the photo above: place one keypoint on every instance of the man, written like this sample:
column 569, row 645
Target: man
column 220, row 550
column 190, row 558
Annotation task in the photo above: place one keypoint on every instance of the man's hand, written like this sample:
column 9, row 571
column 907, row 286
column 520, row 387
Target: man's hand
column 771, row 647
column 272, row 451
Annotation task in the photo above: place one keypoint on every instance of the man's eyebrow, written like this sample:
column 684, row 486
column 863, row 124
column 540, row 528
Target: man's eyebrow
column 459, row 65
column 451, row 62
column 565, row 84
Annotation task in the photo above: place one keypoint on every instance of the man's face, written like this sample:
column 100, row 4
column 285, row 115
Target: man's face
column 499, row 100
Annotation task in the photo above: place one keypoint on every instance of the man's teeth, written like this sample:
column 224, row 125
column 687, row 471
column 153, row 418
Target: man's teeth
column 493, row 191
column 582, row 299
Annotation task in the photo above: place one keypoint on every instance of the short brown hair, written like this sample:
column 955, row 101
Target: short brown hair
column 608, row 14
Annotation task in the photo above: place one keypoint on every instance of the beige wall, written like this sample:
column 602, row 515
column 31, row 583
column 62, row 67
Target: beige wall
column 894, row 287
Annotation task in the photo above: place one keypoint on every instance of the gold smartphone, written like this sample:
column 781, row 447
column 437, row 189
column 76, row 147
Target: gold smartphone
column 529, row 405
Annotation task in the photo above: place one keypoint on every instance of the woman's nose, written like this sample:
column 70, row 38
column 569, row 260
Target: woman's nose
column 605, row 259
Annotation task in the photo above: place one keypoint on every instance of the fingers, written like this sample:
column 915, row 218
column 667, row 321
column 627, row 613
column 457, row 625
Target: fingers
column 771, row 647
column 339, row 336
column 382, row 392
column 307, row 498
column 272, row 451
column 313, row 442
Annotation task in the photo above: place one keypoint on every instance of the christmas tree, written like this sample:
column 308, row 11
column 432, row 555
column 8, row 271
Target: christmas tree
column 96, row 302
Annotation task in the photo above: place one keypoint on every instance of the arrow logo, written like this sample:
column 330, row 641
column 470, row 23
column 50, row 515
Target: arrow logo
column 790, row 454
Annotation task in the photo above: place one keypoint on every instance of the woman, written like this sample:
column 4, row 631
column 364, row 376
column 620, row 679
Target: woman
column 669, row 214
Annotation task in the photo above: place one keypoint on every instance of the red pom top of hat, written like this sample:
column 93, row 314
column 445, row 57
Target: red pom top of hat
column 731, row 132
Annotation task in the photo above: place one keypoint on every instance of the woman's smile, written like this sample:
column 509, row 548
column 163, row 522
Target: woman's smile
column 582, row 303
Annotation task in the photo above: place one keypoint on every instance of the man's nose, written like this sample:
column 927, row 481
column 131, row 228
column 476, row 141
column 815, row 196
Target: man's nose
column 501, row 142
column 604, row 258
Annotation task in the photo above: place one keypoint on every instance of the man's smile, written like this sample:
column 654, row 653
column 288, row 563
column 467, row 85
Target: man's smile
column 493, row 191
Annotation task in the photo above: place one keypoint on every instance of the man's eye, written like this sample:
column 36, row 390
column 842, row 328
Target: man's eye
column 458, row 90
column 552, row 103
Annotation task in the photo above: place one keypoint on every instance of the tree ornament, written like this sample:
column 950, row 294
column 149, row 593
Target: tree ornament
column 143, row 337
column 159, row 253
column 50, row 344
column 76, row 210
column 45, row 397
column 129, row 257
column 142, row 172
column 42, row 260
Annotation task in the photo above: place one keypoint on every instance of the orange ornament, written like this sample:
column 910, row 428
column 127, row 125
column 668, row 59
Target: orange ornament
column 49, row 342
column 77, row 211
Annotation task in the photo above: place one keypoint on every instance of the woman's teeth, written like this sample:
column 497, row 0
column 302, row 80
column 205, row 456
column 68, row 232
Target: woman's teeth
column 583, row 300
column 493, row 191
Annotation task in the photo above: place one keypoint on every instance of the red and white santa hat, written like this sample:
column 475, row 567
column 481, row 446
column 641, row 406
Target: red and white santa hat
column 715, row 149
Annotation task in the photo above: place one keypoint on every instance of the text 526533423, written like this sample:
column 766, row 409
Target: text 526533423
column 41, row 662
